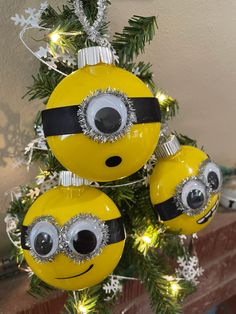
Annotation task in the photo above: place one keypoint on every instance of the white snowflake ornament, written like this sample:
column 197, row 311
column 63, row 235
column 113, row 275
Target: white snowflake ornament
column 112, row 287
column 33, row 18
column 42, row 52
column 33, row 193
column 69, row 60
column 189, row 269
column 11, row 222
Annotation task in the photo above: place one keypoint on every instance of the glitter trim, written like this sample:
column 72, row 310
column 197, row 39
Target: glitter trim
column 89, row 131
column 203, row 177
column 179, row 202
column 64, row 240
column 38, row 258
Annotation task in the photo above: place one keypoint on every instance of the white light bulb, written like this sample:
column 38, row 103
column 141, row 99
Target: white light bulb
column 82, row 309
column 146, row 239
column 162, row 97
column 175, row 287
column 55, row 37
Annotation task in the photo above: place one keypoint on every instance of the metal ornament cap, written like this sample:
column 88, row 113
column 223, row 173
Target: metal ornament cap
column 95, row 55
column 67, row 178
column 168, row 148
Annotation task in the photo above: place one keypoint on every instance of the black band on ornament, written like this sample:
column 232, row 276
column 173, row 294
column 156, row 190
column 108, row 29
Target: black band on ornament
column 167, row 210
column 115, row 229
column 24, row 234
column 61, row 121
column 64, row 120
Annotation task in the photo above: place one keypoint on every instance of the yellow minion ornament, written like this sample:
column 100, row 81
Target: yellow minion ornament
column 184, row 186
column 73, row 236
column 101, row 122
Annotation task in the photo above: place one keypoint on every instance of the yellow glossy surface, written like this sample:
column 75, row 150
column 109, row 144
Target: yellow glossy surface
column 64, row 203
column 170, row 172
column 86, row 157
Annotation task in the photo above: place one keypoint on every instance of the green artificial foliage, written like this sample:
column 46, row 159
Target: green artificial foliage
column 185, row 140
column 148, row 262
column 131, row 42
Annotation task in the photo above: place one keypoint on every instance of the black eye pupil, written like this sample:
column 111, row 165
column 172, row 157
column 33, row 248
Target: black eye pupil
column 213, row 180
column 85, row 242
column 108, row 120
column 195, row 199
column 43, row 243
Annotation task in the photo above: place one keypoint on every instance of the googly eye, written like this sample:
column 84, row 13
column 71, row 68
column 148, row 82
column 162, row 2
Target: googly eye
column 193, row 196
column 43, row 239
column 106, row 115
column 212, row 175
column 86, row 236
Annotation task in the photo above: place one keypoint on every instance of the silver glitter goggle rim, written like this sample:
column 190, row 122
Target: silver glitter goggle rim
column 178, row 197
column 34, row 254
column 99, row 137
column 63, row 241
column 204, row 179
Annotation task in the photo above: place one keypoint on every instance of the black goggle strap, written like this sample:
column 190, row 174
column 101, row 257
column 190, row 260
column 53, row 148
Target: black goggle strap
column 24, row 234
column 64, row 120
column 115, row 228
column 167, row 210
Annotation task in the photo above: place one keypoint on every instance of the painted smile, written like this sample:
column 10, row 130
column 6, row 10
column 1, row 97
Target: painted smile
column 90, row 267
column 211, row 212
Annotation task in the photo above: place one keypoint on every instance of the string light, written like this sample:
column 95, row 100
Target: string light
column 146, row 239
column 161, row 96
column 55, row 37
column 175, row 287
column 82, row 309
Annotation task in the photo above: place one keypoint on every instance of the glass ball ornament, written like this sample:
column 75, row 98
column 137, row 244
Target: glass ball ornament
column 185, row 189
column 73, row 237
column 102, row 122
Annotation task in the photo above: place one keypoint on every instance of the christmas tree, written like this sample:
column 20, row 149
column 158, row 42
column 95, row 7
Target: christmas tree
column 151, row 249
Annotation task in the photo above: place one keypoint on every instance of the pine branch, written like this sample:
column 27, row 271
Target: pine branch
column 171, row 245
column 66, row 20
column 228, row 171
column 39, row 287
column 162, row 300
column 143, row 71
column 19, row 206
column 185, row 140
column 91, row 300
column 51, row 163
column 43, row 84
column 169, row 106
column 131, row 42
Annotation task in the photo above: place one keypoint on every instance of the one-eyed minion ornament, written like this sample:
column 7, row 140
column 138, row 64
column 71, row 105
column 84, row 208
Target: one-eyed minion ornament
column 73, row 236
column 102, row 122
column 184, row 186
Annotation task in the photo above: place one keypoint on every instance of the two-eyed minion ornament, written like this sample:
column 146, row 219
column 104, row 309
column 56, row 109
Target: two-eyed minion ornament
column 73, row 236
column 184, row 186
column 102, row 122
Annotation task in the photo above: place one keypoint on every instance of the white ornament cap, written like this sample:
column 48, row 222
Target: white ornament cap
column 67, row 178
column 95, row 55
column 168, row 144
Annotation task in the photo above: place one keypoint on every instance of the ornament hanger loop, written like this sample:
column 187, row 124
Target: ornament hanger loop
column 21, row 35
column 93, row 31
